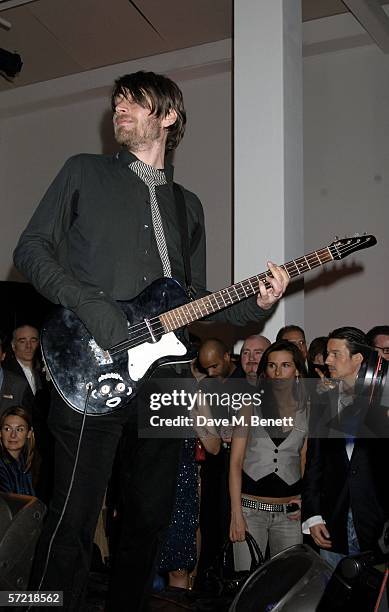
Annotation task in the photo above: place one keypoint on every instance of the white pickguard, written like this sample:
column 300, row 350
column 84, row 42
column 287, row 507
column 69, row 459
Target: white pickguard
column 143, row 356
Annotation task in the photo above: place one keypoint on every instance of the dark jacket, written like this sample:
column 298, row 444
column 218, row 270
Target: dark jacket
column 15, row 391
column 332, row 483
column 12, row 365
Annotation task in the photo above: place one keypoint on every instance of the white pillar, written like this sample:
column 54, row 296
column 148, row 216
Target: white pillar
column 268, row 149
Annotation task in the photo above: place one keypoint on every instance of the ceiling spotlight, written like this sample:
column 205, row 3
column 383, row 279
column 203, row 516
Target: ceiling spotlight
column 10, row 63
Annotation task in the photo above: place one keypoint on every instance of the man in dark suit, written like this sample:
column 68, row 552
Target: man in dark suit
column 344, row 499
column 22, row 359
column 14, row 389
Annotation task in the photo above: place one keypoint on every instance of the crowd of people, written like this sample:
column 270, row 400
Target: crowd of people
column 323, row 476
column 276, row 482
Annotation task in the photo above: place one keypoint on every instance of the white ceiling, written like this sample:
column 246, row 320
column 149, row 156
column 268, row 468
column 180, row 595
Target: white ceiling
column 60, row 37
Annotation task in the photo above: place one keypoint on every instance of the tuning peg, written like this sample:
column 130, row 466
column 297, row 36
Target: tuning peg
column 356, row 235
column 336, row 237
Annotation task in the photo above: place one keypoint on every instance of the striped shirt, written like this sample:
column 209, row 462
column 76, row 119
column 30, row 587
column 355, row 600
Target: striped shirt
column 13, row 478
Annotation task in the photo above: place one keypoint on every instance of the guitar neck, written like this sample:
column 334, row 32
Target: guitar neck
column 198, row 309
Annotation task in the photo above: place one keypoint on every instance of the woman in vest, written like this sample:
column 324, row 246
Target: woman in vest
column 268, row 456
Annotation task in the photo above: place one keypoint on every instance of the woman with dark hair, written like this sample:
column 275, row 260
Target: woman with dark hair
column 16, row 451
column 267, row 461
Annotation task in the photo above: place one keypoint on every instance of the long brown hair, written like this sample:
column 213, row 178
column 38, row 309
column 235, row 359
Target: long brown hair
column 159, row 94
column 29, row 446
column 299, row 390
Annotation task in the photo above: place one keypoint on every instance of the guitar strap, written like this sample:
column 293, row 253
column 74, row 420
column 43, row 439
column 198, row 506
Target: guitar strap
column 183, row 225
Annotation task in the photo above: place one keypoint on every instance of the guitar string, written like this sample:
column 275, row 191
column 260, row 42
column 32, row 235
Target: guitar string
column 157, row 327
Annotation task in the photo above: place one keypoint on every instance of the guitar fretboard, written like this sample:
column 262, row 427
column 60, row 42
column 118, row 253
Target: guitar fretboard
column 193, row 311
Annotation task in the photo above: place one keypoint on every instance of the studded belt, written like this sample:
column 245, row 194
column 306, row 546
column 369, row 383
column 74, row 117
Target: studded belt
column 259, row 505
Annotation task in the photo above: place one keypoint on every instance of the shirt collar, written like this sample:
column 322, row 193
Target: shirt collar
column 125, row 158
column 29, row 374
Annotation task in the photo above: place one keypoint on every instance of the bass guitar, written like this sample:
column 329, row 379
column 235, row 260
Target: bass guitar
column 98, row 381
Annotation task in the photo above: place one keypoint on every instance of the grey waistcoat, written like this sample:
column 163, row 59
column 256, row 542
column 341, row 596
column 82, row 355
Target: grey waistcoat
column 263, row 457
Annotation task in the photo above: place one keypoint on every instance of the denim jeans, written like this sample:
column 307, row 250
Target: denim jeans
column 266, row 527
column 333, row 558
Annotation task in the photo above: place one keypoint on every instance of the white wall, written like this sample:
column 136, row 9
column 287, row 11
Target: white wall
column 33, row 148
column 346, row 152
column 43, row 124
column 203, row 164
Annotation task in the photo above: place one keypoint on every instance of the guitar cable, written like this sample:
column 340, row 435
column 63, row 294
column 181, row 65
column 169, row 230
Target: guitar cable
column 89, row 390
column 382, row 589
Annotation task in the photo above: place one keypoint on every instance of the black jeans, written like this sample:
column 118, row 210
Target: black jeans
column 150, row 471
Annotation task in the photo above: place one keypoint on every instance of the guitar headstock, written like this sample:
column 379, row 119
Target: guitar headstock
column 342, row 247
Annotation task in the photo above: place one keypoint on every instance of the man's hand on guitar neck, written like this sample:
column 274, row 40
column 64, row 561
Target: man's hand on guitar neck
column 279, row 281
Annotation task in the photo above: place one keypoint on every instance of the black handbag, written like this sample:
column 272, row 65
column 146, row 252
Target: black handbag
column 222, row 580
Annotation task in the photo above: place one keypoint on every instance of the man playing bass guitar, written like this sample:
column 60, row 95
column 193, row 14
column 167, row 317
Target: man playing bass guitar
column 105, row 229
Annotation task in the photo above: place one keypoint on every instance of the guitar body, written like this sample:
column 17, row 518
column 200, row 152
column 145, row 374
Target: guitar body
column 76, row 363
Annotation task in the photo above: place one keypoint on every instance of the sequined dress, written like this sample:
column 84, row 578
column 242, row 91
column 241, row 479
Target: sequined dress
column 179, row 550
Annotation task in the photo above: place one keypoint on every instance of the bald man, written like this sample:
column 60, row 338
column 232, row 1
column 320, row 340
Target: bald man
column 250, row 355
column 215, row 359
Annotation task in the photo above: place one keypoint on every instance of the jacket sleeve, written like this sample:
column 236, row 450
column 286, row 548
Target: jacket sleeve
column 36, row 257
column 312, row 480
column 239, row 314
